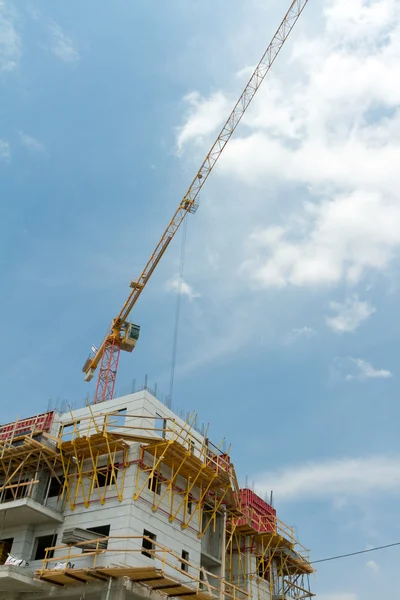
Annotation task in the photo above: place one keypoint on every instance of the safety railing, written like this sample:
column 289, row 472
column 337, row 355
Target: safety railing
column 28, row 426
column 302, row 552
column 265, row 524
column 33, row 490
column 143, row 427
column 165, row 560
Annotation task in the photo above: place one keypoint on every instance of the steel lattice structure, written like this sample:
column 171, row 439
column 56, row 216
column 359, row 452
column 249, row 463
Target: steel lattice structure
column 108, row 352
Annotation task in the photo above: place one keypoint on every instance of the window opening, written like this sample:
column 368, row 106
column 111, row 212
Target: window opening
column 201, row 582
column 56, row 486
column 184, row 565
column 155, row 484
column 105, row 476
column 102, row 531
column 263, row 570
column 5, row 549
column 41, row 543
column 148, row 545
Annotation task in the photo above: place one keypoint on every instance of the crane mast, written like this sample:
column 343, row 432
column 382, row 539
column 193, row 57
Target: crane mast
column 123, row 335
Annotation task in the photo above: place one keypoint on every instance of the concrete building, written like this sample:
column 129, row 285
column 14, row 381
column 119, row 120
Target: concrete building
column 123, row 500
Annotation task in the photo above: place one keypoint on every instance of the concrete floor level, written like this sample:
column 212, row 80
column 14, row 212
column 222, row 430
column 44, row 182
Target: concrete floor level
column 125, row 499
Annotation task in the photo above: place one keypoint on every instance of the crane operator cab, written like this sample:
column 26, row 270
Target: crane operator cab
column 128, row 342
column 131, row 336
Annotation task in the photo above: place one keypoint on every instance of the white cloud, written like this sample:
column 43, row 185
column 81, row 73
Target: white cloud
column 349, row 314
column 31, row 143
column 335, row 240
column 345, row 478
column 5, row 152
column 10, row 42
column 373, row 566
column 355, row 18
column 176, row 284
column 204, row 116
column 62, row 46
column 331, row 128
column 367, row 371
column 297, row 333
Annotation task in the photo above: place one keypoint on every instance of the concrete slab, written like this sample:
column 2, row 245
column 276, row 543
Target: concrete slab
column 18, row 579
column 27, row 511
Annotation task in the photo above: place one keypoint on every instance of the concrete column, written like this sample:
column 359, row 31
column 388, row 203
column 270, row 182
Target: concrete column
column 23, row 543
column 114, row 591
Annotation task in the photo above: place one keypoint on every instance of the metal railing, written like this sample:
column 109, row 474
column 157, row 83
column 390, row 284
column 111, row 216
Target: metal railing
column 32, row 489
column 164, row 559
column 266, row 524
column 140, row 426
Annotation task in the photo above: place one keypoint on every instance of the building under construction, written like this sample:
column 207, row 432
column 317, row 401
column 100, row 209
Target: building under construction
column 123, row 500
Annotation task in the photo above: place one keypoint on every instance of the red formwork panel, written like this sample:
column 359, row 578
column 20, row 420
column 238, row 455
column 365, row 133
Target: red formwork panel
column 258, row 514
column 260, row 523
column 26, row 426
column 220, row 462
column 249, row 499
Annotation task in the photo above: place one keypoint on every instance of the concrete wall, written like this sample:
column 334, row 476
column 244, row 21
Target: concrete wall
column 128, row 517
column 259, row 588
column 23, row 540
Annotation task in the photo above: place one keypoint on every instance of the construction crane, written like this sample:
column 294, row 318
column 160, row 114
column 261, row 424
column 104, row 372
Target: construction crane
column 122, row 334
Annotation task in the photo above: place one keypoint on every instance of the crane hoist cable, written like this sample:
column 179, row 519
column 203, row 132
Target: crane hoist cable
column 177, row 311
column 122, row 334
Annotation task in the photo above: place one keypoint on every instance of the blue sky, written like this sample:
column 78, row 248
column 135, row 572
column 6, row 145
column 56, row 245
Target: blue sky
column 289, row 333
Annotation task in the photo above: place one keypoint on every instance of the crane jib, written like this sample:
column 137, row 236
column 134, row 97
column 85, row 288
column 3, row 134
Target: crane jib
column 189, row 201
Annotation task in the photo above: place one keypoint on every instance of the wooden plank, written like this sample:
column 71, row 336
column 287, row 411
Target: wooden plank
column 203, row 596
column 66, row 577
column 164, row 586
column 67, row 580
column 104, row 574
column 95, row 575
column 140, row 438
column 135, row 573
column 171, row 588
column 170, row 580
column 149, row 579
column 73, row 576
column 49, row 580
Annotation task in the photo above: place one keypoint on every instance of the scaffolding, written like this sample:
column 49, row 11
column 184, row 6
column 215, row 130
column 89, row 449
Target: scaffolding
column 93, row 459
column 183, row 469
column 262, row 553
column 170, row 574
column 198, row 476
column 179, row 472
column 28, row 458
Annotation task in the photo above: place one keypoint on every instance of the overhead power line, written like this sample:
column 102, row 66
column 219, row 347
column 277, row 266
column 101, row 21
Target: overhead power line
column 355, row 553
column 321, row 560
